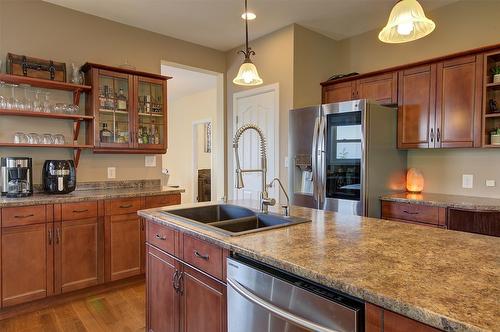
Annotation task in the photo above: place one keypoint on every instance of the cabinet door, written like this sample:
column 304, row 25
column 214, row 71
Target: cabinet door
column 380, row 320
column 381, row 88
column 79, row 254
column 27, row 263
column 113, row 115
column 339, row 92
column 162, row 308
column 416, row 115
column 150, row 114
column 458, row 103
column 203, row 302
column 123, row 246
column 481, row 222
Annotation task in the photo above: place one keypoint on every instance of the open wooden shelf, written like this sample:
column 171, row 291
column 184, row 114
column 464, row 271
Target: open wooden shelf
column 56, row 146
column 493, row 85
column 492, row 115
column 44, row 84
column 491, row 146
column 74, row 117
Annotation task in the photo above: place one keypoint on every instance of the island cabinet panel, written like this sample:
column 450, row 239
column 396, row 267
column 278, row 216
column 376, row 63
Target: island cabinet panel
column 339, row 92
column 458, row 103
column 162, row 299
column 27, row 263
column 480, row 222
column 382, row 89
column 417, row 102
column 378, row 319
column 203, row 302
column 203, row 255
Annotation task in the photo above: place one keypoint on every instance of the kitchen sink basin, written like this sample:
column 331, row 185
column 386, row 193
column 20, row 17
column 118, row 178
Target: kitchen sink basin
column 232, row 220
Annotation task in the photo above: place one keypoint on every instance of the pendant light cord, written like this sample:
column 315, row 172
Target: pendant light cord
column 246, row 28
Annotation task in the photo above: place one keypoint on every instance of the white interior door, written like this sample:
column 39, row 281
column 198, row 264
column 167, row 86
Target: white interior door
column 258, row 106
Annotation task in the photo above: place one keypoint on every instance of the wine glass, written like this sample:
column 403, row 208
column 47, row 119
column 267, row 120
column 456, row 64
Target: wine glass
column 37, row 104
column 46, row 103
column 3, row 99
column 12, row 102
column 24, row 102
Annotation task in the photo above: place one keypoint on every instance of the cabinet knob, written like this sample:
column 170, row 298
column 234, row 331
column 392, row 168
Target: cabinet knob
column 205, row 257
column 432, row 135
column 161, row 237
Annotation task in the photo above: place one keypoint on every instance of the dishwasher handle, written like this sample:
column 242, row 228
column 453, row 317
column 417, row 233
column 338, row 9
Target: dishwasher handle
column 276, row 310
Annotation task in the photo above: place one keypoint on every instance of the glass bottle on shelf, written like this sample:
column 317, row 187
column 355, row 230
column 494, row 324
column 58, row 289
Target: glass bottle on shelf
column 121, row 100
column 105, row 134
column 145, row 136
column 139, row 136
column 155, row 136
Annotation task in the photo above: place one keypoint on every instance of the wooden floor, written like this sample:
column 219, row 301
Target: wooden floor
column 117, row 310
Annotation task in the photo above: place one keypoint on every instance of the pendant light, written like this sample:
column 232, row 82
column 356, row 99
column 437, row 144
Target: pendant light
column 407, row 22
column 247, row 75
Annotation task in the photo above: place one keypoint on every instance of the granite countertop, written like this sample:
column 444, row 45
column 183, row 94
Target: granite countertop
column 449, row 280
column 444, row 200
column 89, row 194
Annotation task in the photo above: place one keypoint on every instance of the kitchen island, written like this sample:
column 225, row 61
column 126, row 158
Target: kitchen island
column 447, row 280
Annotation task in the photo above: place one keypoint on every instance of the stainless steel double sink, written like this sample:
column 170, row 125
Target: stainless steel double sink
column 232, row 220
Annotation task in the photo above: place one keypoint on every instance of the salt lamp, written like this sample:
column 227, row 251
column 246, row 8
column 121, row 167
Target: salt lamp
column 414, row 181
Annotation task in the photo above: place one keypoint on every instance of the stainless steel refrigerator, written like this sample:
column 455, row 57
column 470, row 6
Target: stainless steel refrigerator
column 344, row 156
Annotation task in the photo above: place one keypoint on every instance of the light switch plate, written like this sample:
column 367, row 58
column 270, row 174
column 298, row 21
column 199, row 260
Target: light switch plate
column 467, row 181
column 111, row 172
column 150, row 161
column 490, row 183
column 286, row 162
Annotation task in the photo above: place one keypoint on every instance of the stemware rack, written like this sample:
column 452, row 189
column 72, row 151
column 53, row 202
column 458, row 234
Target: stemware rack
column 77, row 119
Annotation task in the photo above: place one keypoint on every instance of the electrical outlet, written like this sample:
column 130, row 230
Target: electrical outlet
column 467, row 181
column 150, row 161
column 490, row 183
column 111, row 172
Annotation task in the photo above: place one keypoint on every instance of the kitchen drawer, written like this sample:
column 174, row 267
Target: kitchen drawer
column 163, row 200
column 75, row 211
column 161, row 237
column 414, row 212
column 203, row 255
column 123, row 206
column 24, row 215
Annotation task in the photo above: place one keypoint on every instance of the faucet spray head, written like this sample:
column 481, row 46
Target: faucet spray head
column 239, row 179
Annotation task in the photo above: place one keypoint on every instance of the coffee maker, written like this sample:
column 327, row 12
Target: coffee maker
column 58, row 176
column 16, row 173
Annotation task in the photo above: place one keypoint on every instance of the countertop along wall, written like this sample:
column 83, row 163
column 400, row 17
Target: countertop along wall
column 44, row 30
column 460, row 26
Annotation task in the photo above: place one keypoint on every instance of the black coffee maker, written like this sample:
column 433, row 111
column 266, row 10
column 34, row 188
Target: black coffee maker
column 58, row 176
column 16, row 174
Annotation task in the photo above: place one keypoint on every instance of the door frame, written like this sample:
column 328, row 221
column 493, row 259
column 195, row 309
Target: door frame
column 194, row 166
column 274, row 87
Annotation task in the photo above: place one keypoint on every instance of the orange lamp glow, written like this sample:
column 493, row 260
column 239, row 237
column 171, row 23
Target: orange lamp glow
column 414, row 181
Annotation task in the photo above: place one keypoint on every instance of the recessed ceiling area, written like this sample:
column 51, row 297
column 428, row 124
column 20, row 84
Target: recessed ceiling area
column 218, row 23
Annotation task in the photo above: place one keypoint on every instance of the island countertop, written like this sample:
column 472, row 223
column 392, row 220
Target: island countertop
column 446, row 279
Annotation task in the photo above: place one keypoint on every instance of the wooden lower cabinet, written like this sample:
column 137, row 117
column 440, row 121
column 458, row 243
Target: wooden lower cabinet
column 123, row 246
column 480, row 222
column 203, row 302
column 27, row 263
column 78, row 254
column 378, row 319
column 426, row 215
column 163, row 302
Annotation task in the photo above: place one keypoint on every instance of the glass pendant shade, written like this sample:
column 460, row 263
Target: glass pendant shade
column 407, row 22
column 247, row 75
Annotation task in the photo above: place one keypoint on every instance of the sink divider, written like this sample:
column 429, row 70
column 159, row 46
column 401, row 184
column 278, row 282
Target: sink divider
column 233, row 221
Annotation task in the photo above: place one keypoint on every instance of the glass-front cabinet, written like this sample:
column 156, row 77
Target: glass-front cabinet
column 129, row 109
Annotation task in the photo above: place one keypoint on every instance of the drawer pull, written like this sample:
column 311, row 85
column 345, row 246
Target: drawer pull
column 161, row 237
column 25, row 216
column 409, row 212
column 50, row 237
column 125, row 206
column 197, row 254
column 80, row 211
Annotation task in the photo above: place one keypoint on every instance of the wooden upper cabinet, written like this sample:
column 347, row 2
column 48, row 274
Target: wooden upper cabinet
column 382, row 89
column 129, row 109
column 417, row 100
column 339, row 92
column 27, row 263
column 458, row 103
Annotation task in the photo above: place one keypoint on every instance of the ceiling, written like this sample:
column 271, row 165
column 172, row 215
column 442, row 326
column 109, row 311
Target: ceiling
column 217, row 23
column 187, row 82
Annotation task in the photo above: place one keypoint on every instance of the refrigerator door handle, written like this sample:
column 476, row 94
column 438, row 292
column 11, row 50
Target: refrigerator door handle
column 314, row 160
column 322, row 164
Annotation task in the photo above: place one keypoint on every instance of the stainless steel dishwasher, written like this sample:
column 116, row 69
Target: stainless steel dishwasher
column 262, row 298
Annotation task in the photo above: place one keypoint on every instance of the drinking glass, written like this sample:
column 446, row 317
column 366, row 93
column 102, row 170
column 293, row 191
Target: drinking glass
column 34, row 138
column 47, row 139
column 59, row 139
column 72, row 109
column 46, row 107
column 24, row 101
column 3, row 99
column 37, row 104
column 59, row 108
column 20, row 138
column 13, row 102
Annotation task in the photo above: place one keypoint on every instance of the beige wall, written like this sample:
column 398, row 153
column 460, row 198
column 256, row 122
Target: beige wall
column 47, row 31
column 184, row 113
column 460, row 26
column 315, row 59
column 274, row 61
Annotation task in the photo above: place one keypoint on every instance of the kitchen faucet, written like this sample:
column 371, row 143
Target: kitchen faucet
column 265, row 201
column 286, row 208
